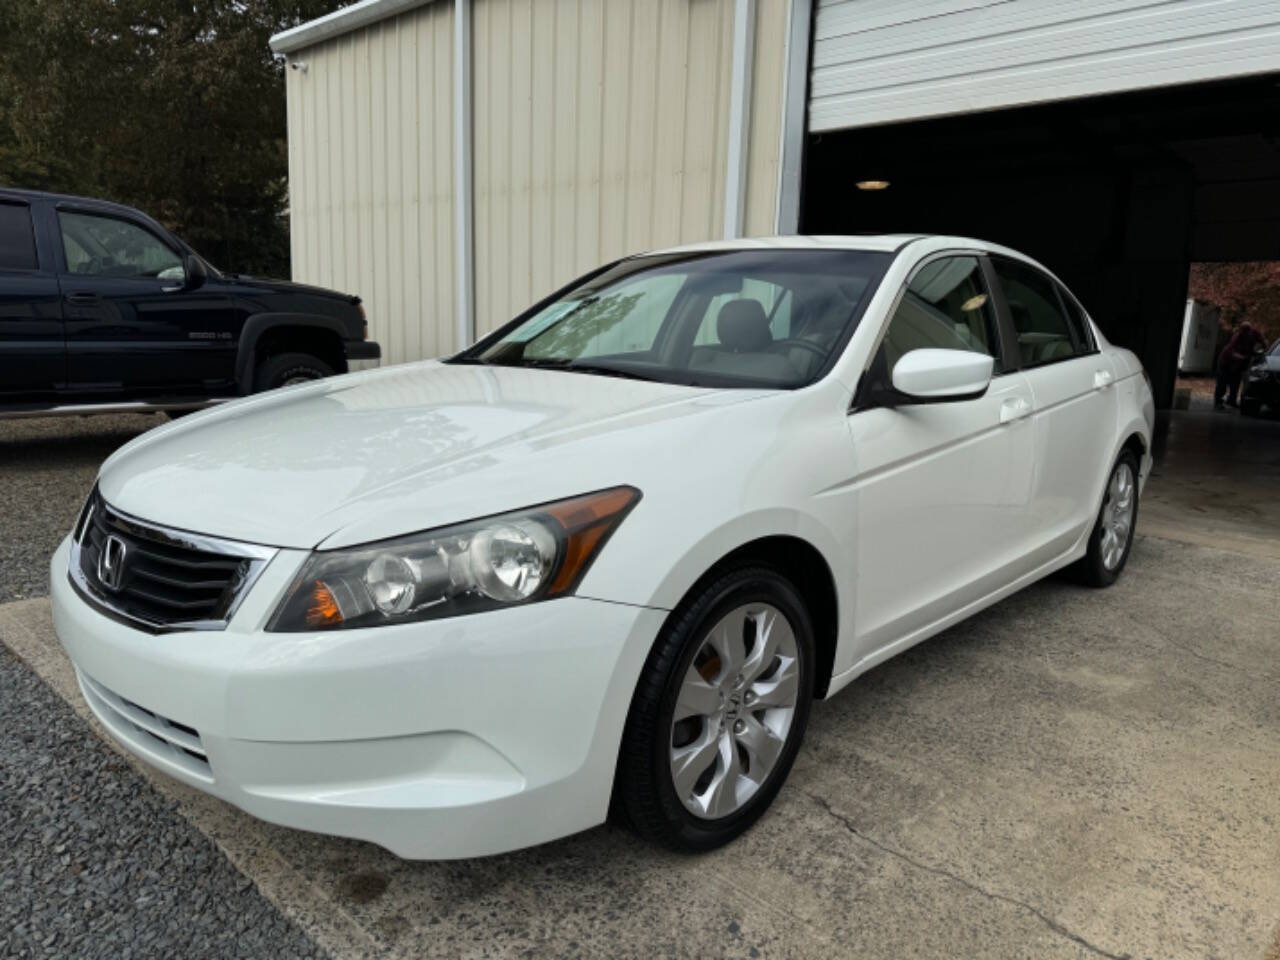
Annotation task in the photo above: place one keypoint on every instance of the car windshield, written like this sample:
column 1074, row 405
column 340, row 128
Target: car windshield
column 745, row 318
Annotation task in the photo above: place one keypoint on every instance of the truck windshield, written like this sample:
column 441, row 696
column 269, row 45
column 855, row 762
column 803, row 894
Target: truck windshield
column 743, row 318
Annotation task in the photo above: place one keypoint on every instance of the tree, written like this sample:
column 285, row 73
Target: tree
column 1241, row 291
column 173, row 107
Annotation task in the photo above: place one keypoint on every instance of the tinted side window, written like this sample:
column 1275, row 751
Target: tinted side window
column 1079, row 322
column 1043, row 333
column 107, row 247
column 946, row 304
column 17, row 238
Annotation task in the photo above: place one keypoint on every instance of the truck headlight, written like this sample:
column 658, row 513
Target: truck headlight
column 519, row 557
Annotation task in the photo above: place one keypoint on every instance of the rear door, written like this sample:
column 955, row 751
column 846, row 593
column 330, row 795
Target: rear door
column 1074, row 403
column 944, row 489
column 130, row 325
column 32, row 352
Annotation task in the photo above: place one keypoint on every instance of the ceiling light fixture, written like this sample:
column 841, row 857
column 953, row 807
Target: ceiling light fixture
column 872, row 184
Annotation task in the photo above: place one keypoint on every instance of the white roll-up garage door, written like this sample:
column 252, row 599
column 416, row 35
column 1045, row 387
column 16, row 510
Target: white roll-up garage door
column 879, row 61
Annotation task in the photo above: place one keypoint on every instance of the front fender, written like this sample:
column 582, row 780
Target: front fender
column 260, row 323
column 613, row 577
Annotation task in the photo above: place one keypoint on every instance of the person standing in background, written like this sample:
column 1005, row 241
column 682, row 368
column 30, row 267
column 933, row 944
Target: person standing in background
column 1232, row 363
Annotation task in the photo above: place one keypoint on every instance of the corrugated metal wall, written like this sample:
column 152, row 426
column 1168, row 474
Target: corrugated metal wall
column 371, row 176
column 600, row 130
column 876, row 61
column 772, row 22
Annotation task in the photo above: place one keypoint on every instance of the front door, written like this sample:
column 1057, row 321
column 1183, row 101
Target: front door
column 32, row 353
column 944, row 490
column 131, row 327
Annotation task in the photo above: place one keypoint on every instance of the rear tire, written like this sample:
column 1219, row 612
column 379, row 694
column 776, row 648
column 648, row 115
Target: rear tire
column 1112, row 535
column 742, row 713
column 287, row 369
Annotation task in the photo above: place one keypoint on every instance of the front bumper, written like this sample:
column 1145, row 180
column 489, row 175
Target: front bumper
column 1265, row 390
column 362, row 355
column 453, row 738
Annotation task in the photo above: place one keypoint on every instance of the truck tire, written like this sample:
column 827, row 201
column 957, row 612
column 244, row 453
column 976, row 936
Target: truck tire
column 287, row 369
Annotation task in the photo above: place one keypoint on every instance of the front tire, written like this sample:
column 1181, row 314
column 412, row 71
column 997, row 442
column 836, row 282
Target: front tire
column 1112, row 535
column 287, row 369
column 719, row 713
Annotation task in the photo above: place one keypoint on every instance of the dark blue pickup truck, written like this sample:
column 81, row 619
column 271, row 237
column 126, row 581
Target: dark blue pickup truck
column 102, row 309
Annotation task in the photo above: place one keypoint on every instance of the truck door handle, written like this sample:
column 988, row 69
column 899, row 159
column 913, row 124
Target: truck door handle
column 83, row 296
column 1102, row 379
column 1015, row 408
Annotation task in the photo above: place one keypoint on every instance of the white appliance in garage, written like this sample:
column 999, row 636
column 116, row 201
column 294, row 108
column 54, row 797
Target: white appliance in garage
column 1199, row 338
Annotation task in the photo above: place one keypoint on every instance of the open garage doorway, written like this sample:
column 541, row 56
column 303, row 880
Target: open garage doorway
column 1119, row 195
column 1230, row 353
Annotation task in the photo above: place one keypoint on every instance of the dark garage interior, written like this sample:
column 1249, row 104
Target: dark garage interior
column 1117, row 194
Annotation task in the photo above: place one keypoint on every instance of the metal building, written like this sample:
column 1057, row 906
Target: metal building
column 454, row 160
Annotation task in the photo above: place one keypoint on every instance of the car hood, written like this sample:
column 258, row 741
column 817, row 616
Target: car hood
column 289, row 286
column 1269, row 362
column 391, row 451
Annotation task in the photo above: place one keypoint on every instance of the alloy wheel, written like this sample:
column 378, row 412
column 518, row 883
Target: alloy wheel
column 734, row 710
column 1117, row 515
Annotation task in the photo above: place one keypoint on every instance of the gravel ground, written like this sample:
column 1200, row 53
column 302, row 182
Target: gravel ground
column 95, row 862
column 47, row 467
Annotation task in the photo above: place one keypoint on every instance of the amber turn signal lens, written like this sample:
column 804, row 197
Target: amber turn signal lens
column 587, row 521
column 323, row 610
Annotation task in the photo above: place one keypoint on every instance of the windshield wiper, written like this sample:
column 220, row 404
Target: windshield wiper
column 567, row 364
column 608, row 371
column 570, row 365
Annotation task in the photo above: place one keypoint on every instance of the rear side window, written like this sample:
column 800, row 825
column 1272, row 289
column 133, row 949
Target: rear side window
column 17, row 238
column 1079, row 322
column 1044, row 334
column 945, row 305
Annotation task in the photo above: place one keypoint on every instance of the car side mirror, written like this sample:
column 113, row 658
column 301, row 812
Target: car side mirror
column 933, row 375
column 195, row 271
column 193, row 275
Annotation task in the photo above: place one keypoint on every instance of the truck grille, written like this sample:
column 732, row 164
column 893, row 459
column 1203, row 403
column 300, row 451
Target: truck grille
column 158, row 578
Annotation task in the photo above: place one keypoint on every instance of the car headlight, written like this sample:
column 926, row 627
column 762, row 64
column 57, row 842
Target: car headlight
column 519, row 557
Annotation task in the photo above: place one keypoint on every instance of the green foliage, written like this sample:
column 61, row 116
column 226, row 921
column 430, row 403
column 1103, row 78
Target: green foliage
column 174, row 107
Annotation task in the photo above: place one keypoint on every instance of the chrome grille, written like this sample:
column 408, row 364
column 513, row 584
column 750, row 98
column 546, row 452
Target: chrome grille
column 158, row 578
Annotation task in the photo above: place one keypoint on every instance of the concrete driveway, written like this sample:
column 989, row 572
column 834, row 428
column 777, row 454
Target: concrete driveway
column 1072, row 773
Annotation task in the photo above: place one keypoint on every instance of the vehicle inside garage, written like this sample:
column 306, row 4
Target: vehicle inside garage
column 1118, row 194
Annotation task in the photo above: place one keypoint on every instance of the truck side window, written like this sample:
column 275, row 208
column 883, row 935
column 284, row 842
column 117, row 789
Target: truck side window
column 17, row 238
column 108, row 247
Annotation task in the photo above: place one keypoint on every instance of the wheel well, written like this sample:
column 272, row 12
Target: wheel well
column 807, row 570
column 321, row 343
column 1137, row 445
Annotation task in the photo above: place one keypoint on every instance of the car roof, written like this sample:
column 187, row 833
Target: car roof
column 875, row 243
column 884, row 243
column 878, row 243
column 15, row 193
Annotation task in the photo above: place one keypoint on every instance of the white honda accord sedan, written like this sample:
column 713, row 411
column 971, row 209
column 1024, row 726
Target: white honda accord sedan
column 607, row 557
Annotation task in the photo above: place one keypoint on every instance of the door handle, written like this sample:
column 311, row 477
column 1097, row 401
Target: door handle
column 1015, row 408
column 83, row 296
column 1102, row 379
